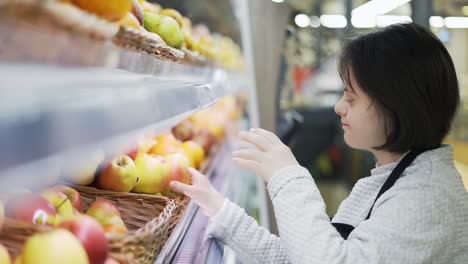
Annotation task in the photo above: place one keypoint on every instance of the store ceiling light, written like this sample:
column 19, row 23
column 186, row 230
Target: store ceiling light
column 363, row 21
column 314, row 21
column 387, row 20
column 333, row 21
column 278, row 1
column 436, row 21
column 302, row 20
column 456, row 22
column 378, row 7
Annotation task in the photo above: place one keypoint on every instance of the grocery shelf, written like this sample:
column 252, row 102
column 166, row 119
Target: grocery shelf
column 52, row 115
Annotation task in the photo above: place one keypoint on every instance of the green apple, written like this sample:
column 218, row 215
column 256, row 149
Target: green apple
column 152, row 172
column 119, row 175
column 166, row 27
column 58, row 246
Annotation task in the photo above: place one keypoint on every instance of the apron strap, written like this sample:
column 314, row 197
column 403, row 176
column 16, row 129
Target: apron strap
column 345, row 229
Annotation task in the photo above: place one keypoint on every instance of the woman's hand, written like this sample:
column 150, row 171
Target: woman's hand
column 201, row 192
column 270, row 157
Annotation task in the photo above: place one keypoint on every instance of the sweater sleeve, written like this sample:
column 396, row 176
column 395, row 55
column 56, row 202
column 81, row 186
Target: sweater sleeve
column 251, row 242
column 406, row 227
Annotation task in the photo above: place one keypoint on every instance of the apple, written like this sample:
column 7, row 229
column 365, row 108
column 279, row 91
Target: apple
column 58, row 246
column 206, row 139
column 111, row 261
column 106, row 213
column 119, row 175
column 84, row 172
column 183, row 131
column 73, row 195
column 31, row 208
column 142, row 146
column 116, row 225
column 91, row 235
column 177, row 165
column 4, row 255
column 18, row 259
column 152, row 172
column 194, row 151
column 60, row 202
column 164, row 148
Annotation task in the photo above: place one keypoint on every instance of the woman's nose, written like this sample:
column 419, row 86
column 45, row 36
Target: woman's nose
column 340, row 108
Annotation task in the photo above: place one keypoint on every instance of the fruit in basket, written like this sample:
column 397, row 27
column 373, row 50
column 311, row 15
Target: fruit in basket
column 177, row 165
column 205, row 138
column 4, row 255
column 174, row 14
column 194, row 152
column 60, row 202
column 137, row 11
column 111, row 261
column 152, row 172
column 183, row 131
column 31, row 208
column 73, row 195
column 119, row 175
column 84, row 172
column 163, row 148
column 142, row 147
column 166, row 27
column 58, row 246
column 91, row 235
column 108, row 215
column 130, row 21
column 112, row 10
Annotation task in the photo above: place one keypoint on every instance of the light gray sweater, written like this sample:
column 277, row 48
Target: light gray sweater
column 423, row 218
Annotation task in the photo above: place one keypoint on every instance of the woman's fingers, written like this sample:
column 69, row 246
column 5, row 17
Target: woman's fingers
column 247, row 164
column 197, row 177
column 259, row 141
column 181, row 188
column 268, row 135
column 248, row 154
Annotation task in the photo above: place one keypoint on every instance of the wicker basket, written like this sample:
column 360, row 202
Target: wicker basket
column 148, row 218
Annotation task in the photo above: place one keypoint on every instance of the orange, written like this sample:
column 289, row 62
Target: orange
column 112, row 10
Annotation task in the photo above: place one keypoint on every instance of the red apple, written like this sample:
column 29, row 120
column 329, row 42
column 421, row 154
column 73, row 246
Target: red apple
column 31, row 208
column 205, row 138
column 73, row 195
column 177, row 165
column 183, row 131
column 91, row 235
column 119, row 175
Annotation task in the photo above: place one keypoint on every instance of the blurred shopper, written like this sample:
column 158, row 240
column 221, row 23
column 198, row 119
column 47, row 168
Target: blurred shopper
column 400, row 99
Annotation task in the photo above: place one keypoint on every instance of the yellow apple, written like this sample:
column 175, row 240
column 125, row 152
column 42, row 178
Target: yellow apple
column 4, row 255
column 119, row 175
column 58, row 246
column 151, row 171
column 60, row 201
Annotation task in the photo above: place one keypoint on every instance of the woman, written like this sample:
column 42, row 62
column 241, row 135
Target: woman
column 400, row 97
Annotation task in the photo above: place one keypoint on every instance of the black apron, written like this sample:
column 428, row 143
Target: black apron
column 345, row 229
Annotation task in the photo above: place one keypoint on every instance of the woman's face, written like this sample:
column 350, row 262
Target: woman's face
column 362, row 124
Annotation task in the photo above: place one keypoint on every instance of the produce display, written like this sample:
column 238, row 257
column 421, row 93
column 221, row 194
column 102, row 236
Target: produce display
column 168, row 27
column 76, row 233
